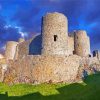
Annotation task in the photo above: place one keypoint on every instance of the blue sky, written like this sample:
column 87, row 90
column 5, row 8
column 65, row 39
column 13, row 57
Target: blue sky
column 22, row 18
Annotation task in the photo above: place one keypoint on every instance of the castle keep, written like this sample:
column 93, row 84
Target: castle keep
column 53, row 56
column 55, row 34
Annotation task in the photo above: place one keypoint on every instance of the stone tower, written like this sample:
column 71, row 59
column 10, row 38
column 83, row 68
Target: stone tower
column 82, row 43
column 55, row 34
column 22, row 49
column 10, row 49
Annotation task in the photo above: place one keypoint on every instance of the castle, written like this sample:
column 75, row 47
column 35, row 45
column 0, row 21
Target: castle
column 53, row 56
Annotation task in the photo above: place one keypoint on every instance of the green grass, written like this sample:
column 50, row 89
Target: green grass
column 88, row 90
column 24, row 89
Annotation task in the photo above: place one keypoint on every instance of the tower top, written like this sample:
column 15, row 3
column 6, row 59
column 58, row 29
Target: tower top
column 55, row 17
column 55, row 14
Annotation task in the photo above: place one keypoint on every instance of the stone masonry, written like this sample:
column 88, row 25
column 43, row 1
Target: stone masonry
column 82, row 43
column 59, row 57
column 55, row 34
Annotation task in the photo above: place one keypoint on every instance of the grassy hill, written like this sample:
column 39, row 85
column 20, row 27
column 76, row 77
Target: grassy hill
column 89, row 90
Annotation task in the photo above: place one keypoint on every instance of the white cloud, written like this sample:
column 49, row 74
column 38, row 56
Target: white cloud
column 7, row 26
column 23, row 34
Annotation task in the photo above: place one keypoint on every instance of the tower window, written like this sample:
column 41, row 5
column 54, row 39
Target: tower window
column 55, row 37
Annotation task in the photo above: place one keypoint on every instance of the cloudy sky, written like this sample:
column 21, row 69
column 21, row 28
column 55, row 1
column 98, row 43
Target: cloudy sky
column 22, row 18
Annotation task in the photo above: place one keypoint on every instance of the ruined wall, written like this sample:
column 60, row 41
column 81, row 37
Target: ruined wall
column 22, row 49
column 10, row 49
column 88, row 66
column 82, row 43
column 70, row 45
column 96, row 54
column 40, row 69
column 55, row 34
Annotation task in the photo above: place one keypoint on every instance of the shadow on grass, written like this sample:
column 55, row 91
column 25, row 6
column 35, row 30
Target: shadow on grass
column 76, row 91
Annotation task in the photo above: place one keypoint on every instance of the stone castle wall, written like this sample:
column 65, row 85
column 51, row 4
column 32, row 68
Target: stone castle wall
column 55, row 34
column 40, row 69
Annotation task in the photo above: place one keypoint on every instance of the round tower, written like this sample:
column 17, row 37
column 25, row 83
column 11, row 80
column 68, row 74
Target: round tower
column 82, row 43
column 10, row 49
column 55, row 34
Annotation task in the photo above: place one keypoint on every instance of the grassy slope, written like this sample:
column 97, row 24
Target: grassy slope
column 89, row 90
